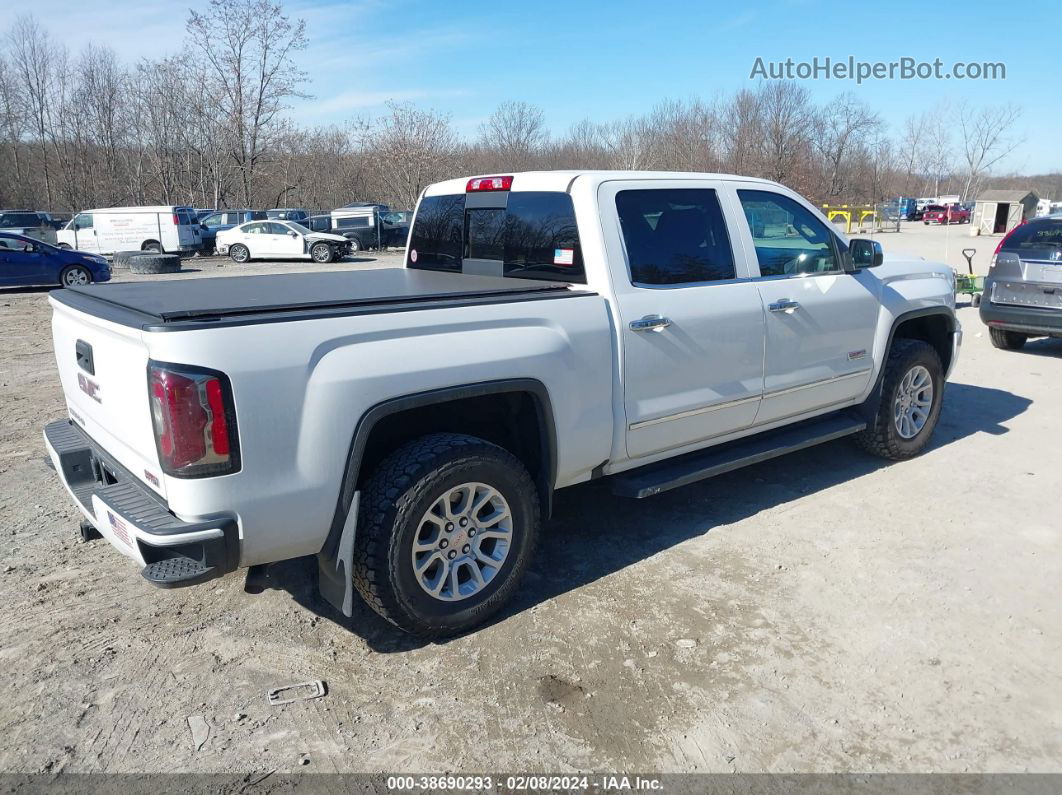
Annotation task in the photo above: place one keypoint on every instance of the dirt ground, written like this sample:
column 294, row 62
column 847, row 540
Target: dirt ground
column 822, row 612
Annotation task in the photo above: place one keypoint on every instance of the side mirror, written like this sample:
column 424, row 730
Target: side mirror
column 293, row 234
column 865, row 253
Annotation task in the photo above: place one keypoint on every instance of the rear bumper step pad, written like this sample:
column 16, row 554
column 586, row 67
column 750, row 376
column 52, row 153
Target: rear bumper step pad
column 88, row 471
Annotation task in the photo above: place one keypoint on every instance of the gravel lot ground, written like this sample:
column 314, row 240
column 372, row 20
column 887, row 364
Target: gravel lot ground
column 821, row 612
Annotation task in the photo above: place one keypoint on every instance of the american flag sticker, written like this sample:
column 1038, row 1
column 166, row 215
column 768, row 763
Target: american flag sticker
column 564, row 256
column 118, row 527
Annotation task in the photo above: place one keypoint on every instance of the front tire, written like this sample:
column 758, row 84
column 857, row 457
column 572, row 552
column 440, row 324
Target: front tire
column 321, row 253
column 912, row 391
column 448, row 526
column 239, row 254
column 1007, row 340
column 75, row 276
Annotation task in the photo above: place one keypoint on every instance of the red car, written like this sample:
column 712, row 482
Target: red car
column 950, row 214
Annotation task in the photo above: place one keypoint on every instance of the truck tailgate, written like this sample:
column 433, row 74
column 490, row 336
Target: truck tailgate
column 103, row 369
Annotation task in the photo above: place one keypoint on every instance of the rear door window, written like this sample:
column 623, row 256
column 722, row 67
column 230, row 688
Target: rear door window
column 534, row 236
column 674, row 236
column 1036, row 240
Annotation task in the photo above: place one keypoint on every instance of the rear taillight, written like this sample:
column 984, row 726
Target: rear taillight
column 194, row 419
column 176, row 220
column 1003, row 240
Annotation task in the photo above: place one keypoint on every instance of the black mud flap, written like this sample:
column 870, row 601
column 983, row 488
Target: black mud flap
column 335, row 564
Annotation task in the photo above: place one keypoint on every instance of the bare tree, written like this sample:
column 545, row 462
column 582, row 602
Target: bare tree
column 413, row 148
column 787, row 116
column 31, row 57
column 516, row 132
column 986, row 139
column 250, row 46
column 742, row 132
column 13, row 125
column 844, row 125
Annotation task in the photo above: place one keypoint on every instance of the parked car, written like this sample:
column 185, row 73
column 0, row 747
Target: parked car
column 170, row 228
column 931, row 210
column 29, row 223
column 946, row 214
column 280, row 240
column 26, row 261
column 409, row 426
column 287, row 214
column 395, row 227
column 56, row 220
column 220, row 220
column 362, row 224
column 1023, row 289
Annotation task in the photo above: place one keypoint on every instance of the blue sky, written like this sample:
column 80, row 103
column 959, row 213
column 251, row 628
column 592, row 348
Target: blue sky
column 606, row 60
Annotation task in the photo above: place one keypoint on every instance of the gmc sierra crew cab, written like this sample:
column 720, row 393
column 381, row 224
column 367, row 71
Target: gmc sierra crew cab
column 409, row 426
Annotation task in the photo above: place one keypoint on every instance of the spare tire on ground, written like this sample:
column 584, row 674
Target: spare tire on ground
column 155, row 263
column 121, row 258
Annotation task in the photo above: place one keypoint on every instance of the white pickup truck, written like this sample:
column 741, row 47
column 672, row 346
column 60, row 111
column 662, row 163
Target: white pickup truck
column 408, row 426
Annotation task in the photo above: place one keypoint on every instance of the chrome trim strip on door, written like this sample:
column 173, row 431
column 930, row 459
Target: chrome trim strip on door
column 824, row 381
column 692, row 412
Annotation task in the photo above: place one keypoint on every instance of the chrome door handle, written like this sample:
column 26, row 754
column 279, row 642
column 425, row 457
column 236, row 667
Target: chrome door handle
column 650, row 323
column 783, row 305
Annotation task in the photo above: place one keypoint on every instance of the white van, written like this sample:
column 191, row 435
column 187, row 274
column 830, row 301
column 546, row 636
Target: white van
column 171, row 229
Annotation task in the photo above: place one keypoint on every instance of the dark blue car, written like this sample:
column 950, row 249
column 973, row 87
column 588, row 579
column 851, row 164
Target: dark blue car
column 25, row 261
column 219, row 220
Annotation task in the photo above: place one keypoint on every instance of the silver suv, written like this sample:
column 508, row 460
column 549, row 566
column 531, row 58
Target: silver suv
column 1023, row 290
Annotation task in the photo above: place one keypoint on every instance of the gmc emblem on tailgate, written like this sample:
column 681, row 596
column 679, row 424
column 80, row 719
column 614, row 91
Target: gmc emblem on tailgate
column 89, row 387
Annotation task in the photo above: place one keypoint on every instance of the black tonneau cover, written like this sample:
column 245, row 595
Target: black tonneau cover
column 194, row 303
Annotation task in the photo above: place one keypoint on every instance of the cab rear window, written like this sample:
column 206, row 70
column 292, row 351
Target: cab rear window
column 533, row 237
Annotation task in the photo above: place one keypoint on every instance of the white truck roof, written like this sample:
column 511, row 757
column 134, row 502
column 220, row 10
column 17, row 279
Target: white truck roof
column 561, row 180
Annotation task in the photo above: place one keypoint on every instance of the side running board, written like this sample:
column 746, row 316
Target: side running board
column 702, row 464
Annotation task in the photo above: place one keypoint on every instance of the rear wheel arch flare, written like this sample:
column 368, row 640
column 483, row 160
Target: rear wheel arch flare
column 357, row 470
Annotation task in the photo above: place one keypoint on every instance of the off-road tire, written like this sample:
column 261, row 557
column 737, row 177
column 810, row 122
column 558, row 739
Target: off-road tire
column 120, row 259
column 881, row 436
column 155, row 263
column 1007, row 340
column 393, row 502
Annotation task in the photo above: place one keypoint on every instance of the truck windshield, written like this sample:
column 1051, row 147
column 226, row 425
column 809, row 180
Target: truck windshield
column 534, row 237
